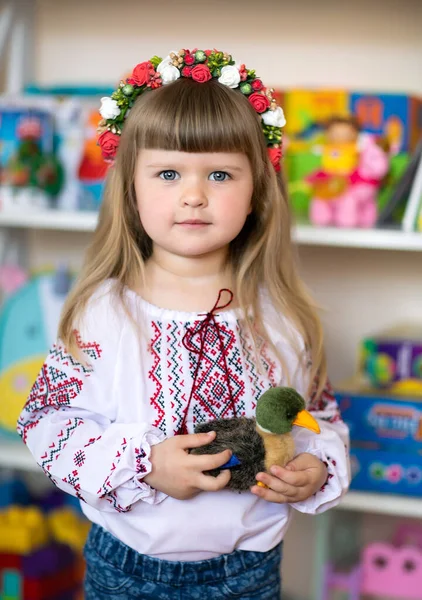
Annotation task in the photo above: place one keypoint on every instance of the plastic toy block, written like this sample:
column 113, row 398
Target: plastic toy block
column 69, row 528
column 57, row 584
column 23, row 530
column 47, row 560
column 12, row 584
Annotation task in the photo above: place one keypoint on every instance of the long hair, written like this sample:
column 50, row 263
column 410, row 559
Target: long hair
column 200, row 117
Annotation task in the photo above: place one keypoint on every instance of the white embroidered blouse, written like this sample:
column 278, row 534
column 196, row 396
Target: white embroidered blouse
column 91, row 426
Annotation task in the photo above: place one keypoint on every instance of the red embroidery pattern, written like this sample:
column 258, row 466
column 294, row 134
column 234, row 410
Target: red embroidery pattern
column 259, row 383
column 55, row 447
column 155, row 374
column 330, row 474
column 73, row 480
column 105, row 489
column 139, row 457
column 325, row 402
column 175, row 374
column 54, row 387
column 211, row 398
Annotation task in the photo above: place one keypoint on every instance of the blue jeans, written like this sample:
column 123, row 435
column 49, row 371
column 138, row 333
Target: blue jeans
column 116, row 571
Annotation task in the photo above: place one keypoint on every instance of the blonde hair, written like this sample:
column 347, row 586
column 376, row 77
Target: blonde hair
column 200, row 117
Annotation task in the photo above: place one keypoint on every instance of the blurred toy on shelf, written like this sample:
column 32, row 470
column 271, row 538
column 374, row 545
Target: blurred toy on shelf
column 345, row 154
column 69, row 527
column 385, row 569
column 33, row 566
column 42, row 535
column 393, row 117
column 344, row 191
column 49, row 157
column 32, row 175
column 28, row 323
column 393, row 359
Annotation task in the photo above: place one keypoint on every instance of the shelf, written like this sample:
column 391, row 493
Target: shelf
column 381, row 239
column 15, row 455
column 382, row 504
column 50, row 219
column 377, row 239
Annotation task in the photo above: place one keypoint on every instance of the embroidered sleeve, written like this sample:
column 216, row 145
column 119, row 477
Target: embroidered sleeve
column 68, row 423
column 331, row 446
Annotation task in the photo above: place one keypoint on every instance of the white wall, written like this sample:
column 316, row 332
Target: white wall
column 365, row 44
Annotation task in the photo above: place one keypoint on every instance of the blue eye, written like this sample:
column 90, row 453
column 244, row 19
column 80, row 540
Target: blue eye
column 219, row 176
column 169, row 175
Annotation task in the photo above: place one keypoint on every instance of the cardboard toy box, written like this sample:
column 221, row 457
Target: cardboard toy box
column 385, row 471
column 386, row 438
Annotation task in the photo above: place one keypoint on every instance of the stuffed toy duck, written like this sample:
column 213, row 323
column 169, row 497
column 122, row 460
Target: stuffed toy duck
column 258, row 443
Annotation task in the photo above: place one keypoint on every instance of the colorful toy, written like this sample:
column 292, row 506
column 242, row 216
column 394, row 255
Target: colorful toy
column 67, row 527
column 23, row 530
column 49, row 573
column 385, row 570
column 32, row 176
column 345, row 190
column 257, row 444
column 393, row 359
column 394, row 117
column 28, row 325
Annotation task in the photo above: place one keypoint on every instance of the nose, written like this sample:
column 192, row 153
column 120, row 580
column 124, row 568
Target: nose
column 194, row 195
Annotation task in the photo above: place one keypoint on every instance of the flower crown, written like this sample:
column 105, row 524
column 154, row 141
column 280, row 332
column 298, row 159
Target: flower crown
column 201, row 66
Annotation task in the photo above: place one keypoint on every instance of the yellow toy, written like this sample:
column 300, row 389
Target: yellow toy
column 23, row 530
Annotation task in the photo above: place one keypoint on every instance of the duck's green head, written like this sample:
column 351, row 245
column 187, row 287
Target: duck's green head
column 279, row 408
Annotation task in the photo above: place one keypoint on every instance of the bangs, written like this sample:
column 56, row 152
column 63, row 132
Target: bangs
column 197, row 117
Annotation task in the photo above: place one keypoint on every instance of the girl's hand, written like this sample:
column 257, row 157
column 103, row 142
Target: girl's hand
column 179, row 474
column 297, row 481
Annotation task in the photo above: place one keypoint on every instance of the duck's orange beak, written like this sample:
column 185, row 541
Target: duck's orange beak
column 305, row 419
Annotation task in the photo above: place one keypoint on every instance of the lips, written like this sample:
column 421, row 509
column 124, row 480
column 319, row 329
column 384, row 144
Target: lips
column 193, row 222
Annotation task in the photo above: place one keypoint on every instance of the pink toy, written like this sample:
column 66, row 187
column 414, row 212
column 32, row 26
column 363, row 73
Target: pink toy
column 356, row 206
column 386, row 570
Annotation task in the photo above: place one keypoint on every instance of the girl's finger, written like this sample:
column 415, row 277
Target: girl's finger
column 270, row 495
column 296, row 478
column 207, row 483
column 277, row 485
column 206, row 462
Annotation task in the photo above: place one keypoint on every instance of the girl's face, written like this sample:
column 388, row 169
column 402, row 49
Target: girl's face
column 192, row 204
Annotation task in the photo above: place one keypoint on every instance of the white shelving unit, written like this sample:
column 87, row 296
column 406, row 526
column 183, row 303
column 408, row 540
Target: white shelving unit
column 380, row 239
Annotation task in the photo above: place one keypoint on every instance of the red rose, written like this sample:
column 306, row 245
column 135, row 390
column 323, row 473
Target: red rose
column 108, row 142
column 274, row 155
column 259, row 101
column 130, row 81
column 257, row 85
column 208, row 52
column 141, row 73
column 189, row 59
column 201, row 73
column 186, row 71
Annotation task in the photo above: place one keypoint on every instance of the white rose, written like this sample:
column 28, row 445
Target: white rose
column 169, row 73
column 167, row 70
column 230, row 76
column 166, row 62
column 109, row 108
column 275, row 117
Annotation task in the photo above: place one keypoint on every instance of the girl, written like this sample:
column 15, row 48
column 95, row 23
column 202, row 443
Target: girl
column 188, row 308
